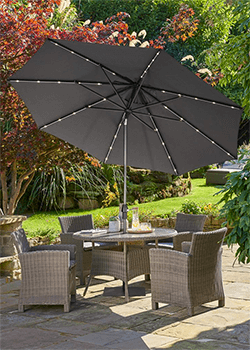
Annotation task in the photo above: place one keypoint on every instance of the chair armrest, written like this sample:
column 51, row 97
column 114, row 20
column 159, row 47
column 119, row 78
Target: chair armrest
column 72, row 264
column 181, row 237
column 167, row 256
column 55, row 247
column 185, row 246
column 167, row 264
column 45, row 261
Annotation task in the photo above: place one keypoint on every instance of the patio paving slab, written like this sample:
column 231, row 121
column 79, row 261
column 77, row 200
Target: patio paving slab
column 29, row 338
column 12, row 320
column 240, row 276
column 98, row 322
column 221, row 317
column 238, row 290
column 207, row 344
column 74, row 345
column 70, row 327
column 125, row 339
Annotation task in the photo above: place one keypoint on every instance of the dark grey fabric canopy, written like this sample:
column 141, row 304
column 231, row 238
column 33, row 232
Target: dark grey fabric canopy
column 83, row 93
column 128, row 106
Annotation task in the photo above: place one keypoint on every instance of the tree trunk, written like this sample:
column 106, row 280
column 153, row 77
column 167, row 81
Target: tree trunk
column 18, row 188
column 4, row 191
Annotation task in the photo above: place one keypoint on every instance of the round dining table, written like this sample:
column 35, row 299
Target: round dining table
column 130, row 258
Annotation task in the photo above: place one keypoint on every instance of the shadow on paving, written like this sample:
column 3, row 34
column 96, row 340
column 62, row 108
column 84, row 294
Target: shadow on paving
column 100, row 322
column 109, row 323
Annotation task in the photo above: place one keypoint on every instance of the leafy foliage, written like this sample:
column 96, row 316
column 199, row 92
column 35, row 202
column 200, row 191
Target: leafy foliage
column 215, row 19
column 182, row 26
column 233, row 59
column 236, row 208
column 191, row 207
column 24, row 26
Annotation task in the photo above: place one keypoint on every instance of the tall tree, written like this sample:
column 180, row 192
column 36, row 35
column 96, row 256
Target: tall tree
column 24, row 26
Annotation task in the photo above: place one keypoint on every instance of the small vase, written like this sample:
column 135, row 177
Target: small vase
column 114, row 226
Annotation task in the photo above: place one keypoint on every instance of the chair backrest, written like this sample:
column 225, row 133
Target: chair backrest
column 76, row 223
column 206, row 245
column 20, row 241
column 190, row 222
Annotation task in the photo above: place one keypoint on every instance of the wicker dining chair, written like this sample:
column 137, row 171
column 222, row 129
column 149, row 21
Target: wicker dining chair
column 48, row 273
column 70, row 225
column 190, row 277
column 188, row 223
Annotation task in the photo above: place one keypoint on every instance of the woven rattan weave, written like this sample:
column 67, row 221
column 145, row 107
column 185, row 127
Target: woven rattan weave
column 48, row 273
column 188, row 279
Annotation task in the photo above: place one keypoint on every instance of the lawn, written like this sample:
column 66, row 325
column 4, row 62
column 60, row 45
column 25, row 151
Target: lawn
column 46, row 223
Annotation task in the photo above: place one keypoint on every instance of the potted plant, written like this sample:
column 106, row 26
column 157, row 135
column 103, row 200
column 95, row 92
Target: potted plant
column 114, row 224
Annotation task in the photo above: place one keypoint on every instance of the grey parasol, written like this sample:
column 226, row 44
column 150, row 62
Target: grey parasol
column 128, row 106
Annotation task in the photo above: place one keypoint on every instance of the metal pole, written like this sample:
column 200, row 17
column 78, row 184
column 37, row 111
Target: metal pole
column 124, row 207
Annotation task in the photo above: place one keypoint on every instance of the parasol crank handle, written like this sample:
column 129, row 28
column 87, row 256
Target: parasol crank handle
column 124, row 211
column 124, row 217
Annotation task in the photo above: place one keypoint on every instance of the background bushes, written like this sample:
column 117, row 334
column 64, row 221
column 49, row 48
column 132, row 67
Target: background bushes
column 215, row 19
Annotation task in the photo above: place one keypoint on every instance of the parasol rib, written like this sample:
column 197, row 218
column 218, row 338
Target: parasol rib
column 142, row 77
column 79, row 110
column 142, row 121
column 100, row 95
column 87, row 59
column 113, row 87
column 158, row 116
column 156, row 103
column 42, row 81
column 115, row 137
column 159, row 135
column 182, row 119
column 192, row 97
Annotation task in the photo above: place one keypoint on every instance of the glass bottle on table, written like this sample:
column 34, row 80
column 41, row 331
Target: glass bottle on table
column 135, row 219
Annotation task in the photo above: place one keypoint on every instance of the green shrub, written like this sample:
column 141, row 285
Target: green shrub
column 191, row 207
column 215, row 19
column 50, row 233
column 236, row 208
column 102, row 220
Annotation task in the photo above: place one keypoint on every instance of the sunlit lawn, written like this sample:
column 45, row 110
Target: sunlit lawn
column 48, row 222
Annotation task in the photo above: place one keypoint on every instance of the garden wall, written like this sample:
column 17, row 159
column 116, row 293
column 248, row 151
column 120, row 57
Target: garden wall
column 211, row 223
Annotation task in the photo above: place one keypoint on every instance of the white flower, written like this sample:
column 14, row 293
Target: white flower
column 142, row 33
column 204, row 71
column 113, row 35
column 134, row 42
column 134, row 34
column 63, row 5
column 145, row 44
column 86, row 23
column 188, row 57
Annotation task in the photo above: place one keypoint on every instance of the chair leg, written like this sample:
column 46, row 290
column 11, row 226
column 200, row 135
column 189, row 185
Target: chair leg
column 126, row 292
column 21, row 307
column 66, row 307
column 87, row 285
column 82, row 280
column 221, row 302
column 190, row 311
column 155, row 305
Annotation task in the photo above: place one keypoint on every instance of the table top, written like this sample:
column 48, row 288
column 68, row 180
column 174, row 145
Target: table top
column 158, row 233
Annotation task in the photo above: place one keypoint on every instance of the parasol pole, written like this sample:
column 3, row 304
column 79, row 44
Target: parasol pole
column 125, row 154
